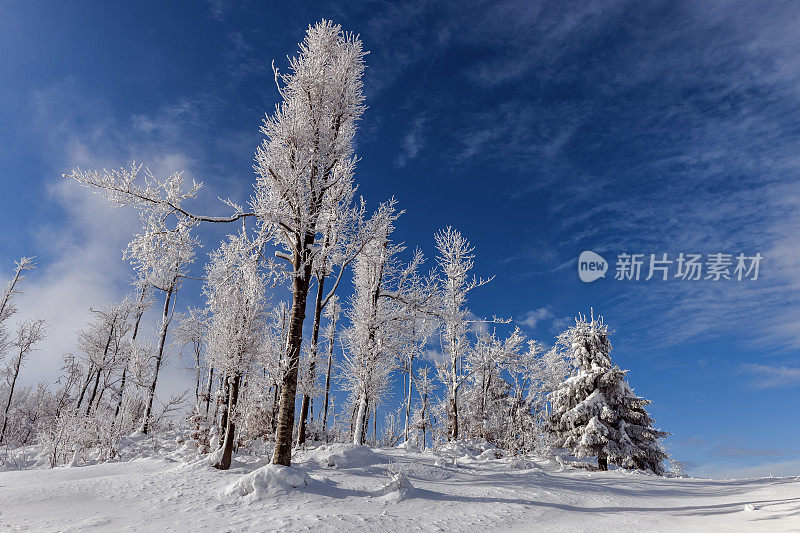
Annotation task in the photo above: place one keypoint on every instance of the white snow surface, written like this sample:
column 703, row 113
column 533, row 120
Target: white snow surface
column 159, row 485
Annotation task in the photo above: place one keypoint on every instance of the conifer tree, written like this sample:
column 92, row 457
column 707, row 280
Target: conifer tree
column 595, row 411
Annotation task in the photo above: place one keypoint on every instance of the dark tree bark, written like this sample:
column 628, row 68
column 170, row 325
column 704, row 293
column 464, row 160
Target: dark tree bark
column 139, row 313
column 283, row 434
column 312, row 365
column 8, row 403
column 230, row 429
column 159, row 356
column 208, row 387
column 602, row 461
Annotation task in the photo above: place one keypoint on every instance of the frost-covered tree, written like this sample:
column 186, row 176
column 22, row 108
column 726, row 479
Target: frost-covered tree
column 191, row 332
column 455, row 260
column 101, row 341
column 595, row 411
column 368, row 359
column 345, row 234
column 387, row 296
column 161, row 255
column 7, row 307
column 29, row 333
column 235, row 288
column 332, row 313
column 304, row 170
column 497, row 375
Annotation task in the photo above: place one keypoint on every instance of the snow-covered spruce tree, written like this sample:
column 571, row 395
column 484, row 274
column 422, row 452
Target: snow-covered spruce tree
column 595, row 411
column 302, row 168
column 235, row 290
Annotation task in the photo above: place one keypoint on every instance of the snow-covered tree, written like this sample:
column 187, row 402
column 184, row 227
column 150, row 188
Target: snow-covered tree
column 595, row 411
column 368, row 357
column 101, row 341
column 304, row 170
column 332, row 313
column 191, row 332
column 161, row 255
column 235, row 288
column 28, row 334
column 455, row 259
column 7, row 307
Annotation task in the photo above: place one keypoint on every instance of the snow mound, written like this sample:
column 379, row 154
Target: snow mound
column 344, row 456
column 408, row 446
column 490, row 454
column 749, row 507
column 398, row 489
column 267, row 482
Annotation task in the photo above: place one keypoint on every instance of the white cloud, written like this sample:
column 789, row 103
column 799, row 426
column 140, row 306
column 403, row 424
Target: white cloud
column 537, row 317
column 770, row 377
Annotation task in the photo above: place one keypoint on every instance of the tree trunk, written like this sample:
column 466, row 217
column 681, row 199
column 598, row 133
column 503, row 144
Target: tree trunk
column 121, row 396
column 312, row 364
column 358, row 432
column 208, row 387
column 151, row 393
column 85, row 387
column 602, row 461
column 225, row 401
column 328, row 373
column 10, row 394
column 230, row 429
column 408, row 396
column 452, row 411
column 300, row 284
column 139, row 313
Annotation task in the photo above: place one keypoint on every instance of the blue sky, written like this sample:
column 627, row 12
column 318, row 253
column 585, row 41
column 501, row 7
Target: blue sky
column 538, row 131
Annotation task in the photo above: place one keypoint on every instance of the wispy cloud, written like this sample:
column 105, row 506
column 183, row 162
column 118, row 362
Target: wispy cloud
column 412, row 142
column 770, row 377
column 544, row 315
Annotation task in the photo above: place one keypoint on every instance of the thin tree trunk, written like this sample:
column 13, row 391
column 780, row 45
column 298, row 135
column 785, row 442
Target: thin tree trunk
column 10, row 394
column 230, row 428
column 408, row 396
column 602, row 461
column 223, row 417
column 208, row 388
column 328, row 373
column 151, row 394
column 312, row 364
column 302, row 268
column 85, row 387
column 139, row 313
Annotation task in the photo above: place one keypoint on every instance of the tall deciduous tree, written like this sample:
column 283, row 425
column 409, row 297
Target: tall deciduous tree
column 304, row 171
column 455, row 259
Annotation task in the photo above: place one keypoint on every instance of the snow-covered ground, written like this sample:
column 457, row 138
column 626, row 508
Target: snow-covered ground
column 346, row 488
